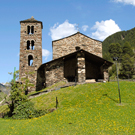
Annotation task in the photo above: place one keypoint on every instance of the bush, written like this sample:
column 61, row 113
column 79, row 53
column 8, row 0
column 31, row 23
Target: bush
column 19, row 105
column 26, row 110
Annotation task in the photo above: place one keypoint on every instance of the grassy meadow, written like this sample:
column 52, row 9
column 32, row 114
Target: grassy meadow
column 83, row 109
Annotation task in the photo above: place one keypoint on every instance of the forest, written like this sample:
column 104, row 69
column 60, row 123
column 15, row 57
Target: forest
column 121, row 45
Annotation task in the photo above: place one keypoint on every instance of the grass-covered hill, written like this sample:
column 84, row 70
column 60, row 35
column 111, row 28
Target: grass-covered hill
column 88, row 109
column 119, row 37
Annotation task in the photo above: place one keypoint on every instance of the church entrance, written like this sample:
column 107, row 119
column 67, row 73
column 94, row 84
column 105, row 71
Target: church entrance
column 70, row 69
column 92, row 70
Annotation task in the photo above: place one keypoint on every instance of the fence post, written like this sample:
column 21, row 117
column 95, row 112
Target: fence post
column 56, row 102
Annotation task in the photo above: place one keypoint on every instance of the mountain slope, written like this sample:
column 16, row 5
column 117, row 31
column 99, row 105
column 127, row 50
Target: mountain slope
column 119, row 37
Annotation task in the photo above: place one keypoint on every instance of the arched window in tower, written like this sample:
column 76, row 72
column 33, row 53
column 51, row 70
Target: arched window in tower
column 28, row 29
column 32, row 29
column 30, row 60
column 28, row 45
column 32, row 45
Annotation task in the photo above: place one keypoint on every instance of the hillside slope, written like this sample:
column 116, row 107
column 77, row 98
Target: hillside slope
column 83, row 109
column 119, row 37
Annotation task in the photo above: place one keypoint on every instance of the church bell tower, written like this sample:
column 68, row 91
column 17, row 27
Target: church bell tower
column 30, row 50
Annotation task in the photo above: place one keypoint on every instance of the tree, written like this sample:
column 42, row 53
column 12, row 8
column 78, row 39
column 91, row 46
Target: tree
column 115, row 50
column 18, row 92
column 127, row 49
column 127, row 64
column 112, row 70
column 107, row 56
column 127, row 67
column 20, row 106
column 17, row 96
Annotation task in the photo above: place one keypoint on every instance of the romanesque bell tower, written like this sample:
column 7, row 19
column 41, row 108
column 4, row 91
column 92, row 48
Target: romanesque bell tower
column 30, row 49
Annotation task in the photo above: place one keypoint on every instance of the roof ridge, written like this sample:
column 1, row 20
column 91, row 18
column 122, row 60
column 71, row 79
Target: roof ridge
column 31, row 20
column 75, row 34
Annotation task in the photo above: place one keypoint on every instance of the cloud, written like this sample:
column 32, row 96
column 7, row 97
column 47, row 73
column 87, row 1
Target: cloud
column 129, row 2
column 65, row 29
column 85, row 27
column 104, row 29
column 45, row 53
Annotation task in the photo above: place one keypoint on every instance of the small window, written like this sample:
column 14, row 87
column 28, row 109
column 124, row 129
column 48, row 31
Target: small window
column 77, row 48
column 28, row 45
column 32, row 45
column 30, row 60
column 28, row 29
column 32, row 29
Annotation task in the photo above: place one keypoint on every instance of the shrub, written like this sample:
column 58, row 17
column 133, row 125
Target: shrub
column 26, row 110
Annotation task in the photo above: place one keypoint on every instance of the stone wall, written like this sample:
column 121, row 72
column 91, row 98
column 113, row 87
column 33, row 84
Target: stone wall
column 68, row 45
column 81, row 70
column 35, row 52
column 106, row 75
column 104, row 70
column 54, row 72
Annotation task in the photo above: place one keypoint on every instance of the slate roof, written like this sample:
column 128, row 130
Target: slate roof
column 89, row 56
column 31, row 20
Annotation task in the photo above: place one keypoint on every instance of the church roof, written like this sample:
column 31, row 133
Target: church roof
column 75, row 34
column 89, row 56
column 31, row 20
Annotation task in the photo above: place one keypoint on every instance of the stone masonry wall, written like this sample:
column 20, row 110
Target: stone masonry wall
column 81, row 69
column 25, row 53
column 54, row 72
column 106, row 75
column 68, row 45
column 104, row 70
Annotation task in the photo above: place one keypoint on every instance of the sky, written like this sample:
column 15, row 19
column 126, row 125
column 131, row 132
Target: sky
column 95, row 18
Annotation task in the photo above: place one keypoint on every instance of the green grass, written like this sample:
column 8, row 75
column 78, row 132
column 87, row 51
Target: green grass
column 57, row 85
column 84, row 109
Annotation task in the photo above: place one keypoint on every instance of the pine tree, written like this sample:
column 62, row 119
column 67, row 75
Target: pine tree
column 127, row 64
column 127, row 67
column 115, row 50
column 127, row 49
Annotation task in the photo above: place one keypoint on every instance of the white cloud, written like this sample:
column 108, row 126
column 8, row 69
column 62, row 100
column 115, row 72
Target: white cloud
column 65, row 29
column 85, row 27
column 130, row 2
column 104, row 29
column 45, row 53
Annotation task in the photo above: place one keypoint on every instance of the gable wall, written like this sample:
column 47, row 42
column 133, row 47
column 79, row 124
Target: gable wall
column 67, row 45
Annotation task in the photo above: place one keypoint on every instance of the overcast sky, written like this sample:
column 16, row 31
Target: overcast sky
column 95, row 18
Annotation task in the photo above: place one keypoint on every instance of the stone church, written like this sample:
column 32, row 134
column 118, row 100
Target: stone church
column 76, row 58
